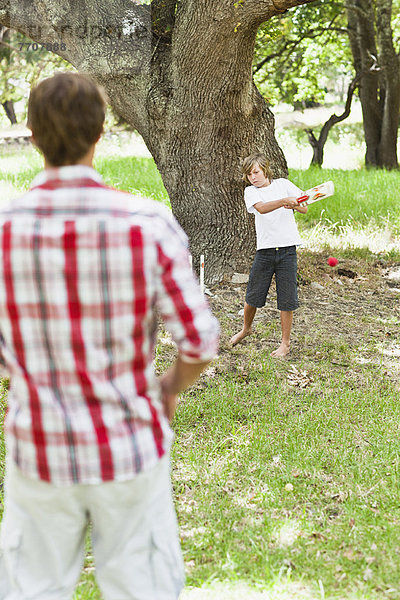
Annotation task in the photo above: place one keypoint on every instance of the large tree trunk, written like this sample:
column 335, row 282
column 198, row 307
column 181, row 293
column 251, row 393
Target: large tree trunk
column 180, row 73
column 371, row 42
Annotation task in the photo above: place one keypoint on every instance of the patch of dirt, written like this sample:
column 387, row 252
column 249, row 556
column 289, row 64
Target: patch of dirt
column 341, row 318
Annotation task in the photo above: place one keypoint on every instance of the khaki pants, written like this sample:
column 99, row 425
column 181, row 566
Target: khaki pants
column 134, row 538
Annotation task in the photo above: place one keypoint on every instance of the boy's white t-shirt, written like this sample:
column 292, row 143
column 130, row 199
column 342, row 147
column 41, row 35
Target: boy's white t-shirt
column 277, row 228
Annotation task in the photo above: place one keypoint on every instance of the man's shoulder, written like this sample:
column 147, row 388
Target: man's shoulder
column 80, row 202
column 152, row 216
column 134, row 204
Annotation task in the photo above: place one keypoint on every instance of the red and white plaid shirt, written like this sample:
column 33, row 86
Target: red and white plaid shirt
column 83, row 270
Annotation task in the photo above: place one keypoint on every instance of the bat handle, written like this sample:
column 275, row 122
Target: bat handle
column 302, row 199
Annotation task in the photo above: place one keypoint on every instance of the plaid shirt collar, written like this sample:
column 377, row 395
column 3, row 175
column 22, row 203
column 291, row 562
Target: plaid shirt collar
column 68, row 173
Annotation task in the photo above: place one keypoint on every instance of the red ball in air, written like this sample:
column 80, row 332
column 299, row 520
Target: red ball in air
column 332, row 261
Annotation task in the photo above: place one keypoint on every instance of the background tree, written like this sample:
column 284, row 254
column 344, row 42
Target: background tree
column 318, row 143
column 299, row 58
column 304, row 54
column 305, row 60
column 370, row 27
column 7, row 89
column 180, row 72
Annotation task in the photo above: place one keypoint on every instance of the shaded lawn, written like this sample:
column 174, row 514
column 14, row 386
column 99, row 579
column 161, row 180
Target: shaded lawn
column 275, row 483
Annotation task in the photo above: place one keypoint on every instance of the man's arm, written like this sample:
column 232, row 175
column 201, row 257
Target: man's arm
column 176, row 379
column 186, row 315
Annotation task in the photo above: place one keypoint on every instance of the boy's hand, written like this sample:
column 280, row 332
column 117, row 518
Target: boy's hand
column 290, row 202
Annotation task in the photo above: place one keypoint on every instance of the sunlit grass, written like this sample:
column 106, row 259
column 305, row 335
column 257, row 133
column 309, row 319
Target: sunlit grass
column 134, row 175
column 137, row 175
column 354, row 239
column 275, row 485
column 360, row 196
column 280, row 492
column 363, row 199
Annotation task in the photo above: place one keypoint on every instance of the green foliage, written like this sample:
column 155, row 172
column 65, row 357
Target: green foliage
column 22, row 64
column 305, row 54
column 395, row 8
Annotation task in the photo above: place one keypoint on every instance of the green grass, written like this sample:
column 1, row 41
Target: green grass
column 131, row 174
column 360, row 196
column 278, row 486
column 273, row 482
column 18, row 168
column 134, row 175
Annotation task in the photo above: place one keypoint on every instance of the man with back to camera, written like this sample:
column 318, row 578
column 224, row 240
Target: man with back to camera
column 83, row 270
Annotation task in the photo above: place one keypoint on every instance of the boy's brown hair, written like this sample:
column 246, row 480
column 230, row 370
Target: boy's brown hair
column 256, row 159
column 66, row 115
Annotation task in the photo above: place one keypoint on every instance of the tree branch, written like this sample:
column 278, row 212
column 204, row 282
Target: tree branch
column 292, row 44
column 13, row 48
column 259, row 11
column 5, row 12
column 110, row 39
column 319, row 143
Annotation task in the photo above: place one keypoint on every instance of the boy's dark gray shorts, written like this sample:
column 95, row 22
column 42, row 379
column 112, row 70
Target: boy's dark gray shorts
column 282, row 262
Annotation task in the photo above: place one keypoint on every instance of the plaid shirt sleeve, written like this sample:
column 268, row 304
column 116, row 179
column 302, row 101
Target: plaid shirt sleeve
column 179, row 299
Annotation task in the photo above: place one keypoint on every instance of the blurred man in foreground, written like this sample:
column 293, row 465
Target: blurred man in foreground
column 83, row 271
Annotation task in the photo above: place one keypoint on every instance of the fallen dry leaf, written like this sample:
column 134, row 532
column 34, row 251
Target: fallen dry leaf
column 298, row 378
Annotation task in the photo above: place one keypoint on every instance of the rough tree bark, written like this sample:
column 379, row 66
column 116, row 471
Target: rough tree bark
column 371, row 40
column 180, row 72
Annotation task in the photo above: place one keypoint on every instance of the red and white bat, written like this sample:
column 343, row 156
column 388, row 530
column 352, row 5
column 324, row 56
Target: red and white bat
column 319, row 192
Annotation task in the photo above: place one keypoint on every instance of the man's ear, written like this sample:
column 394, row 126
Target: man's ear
column 32, row 138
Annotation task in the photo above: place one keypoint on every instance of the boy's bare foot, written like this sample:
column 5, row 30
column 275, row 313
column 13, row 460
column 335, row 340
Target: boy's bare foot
column 282, row 351
column 238, row 337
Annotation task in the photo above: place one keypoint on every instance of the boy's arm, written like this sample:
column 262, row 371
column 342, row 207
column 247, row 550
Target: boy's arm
column 266, row 207
column 301, row 208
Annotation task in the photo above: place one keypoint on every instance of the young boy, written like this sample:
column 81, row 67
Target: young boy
column 272, row 201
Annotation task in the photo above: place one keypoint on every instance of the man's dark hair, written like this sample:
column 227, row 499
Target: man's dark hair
column 66, row 115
